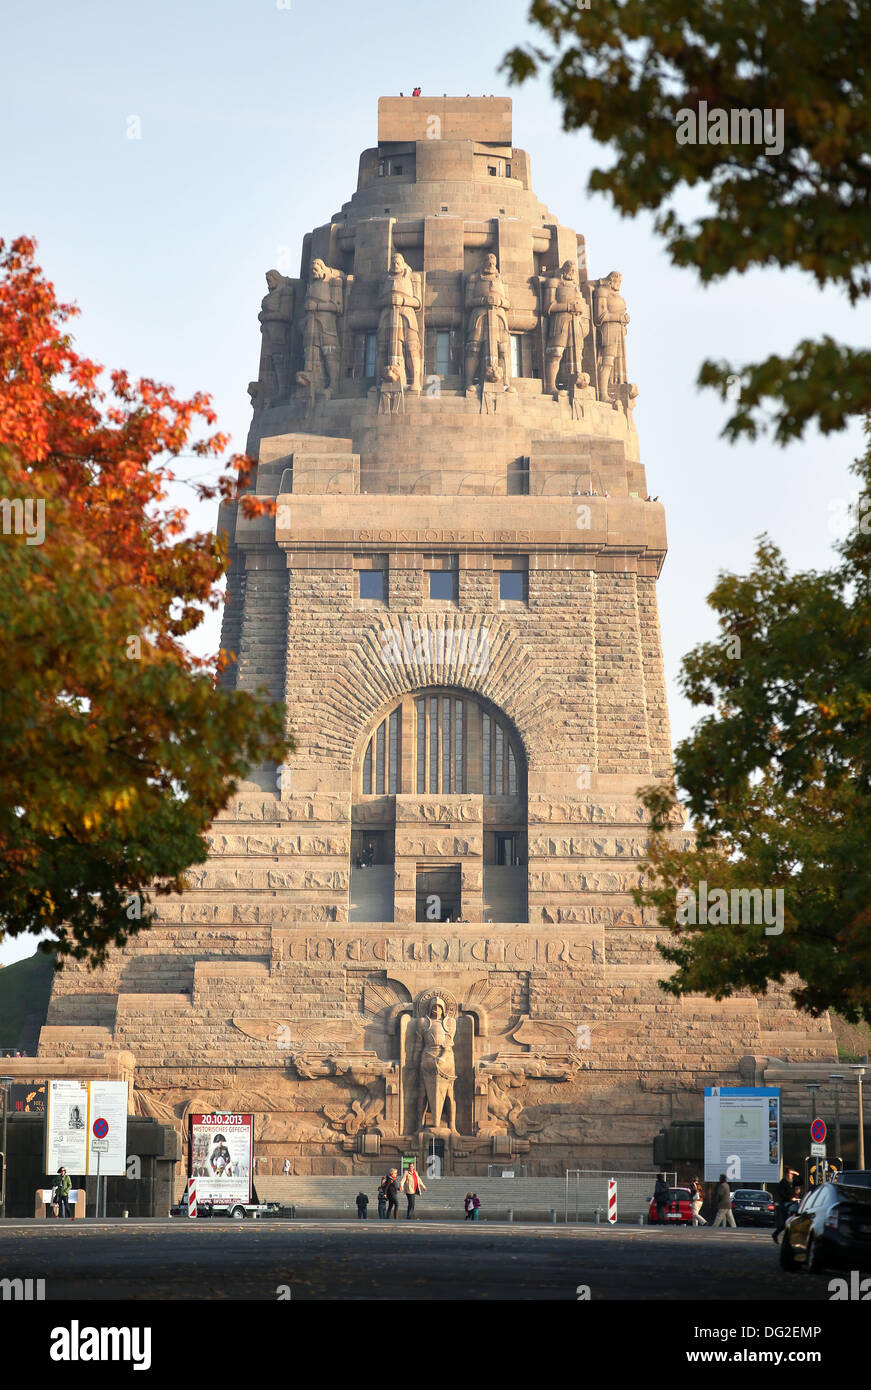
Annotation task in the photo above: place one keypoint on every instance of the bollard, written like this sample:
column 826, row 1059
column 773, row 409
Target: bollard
column 597, row 1216
column 510, row 1213
column 126, row 1215
column 553, row 1215
column 641, row 1219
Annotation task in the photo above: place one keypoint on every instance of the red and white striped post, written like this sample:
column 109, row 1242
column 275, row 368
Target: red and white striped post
column 612, row 1201
column 192, row 1196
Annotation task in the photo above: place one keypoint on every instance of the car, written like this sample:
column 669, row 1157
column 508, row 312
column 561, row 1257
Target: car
column 679, row 1211
column 854, row 1177
column 831, row 1229
column 752, row 1206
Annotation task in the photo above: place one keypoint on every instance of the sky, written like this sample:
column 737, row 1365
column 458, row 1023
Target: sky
column 251, row 118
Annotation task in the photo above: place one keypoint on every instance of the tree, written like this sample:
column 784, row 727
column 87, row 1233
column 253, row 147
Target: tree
column 117, row 748
column 635, row 74
column 778, row 783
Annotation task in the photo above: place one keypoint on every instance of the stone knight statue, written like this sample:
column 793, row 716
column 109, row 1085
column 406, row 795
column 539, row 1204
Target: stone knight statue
column 398, row 339
column 324, row 303
column 276, row 315
column 432, row 1058
column 568, row 323
column 488, row 336
column 611, row 318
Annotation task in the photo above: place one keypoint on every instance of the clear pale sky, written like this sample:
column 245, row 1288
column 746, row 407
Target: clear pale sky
column 253, row 116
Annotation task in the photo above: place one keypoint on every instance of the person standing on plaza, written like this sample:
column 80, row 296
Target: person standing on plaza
column 785, row 1195
column 660, row 1199
column 698, row 1197
column 391, row 1188
column 468, row 1206
column 476, row 1206
column 362, row 1206
column 382, row 1199
column 724, row 1215
column 411, row 1185
column 62, row 1189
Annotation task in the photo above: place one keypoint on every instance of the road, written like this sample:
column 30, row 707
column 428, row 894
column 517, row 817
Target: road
column 338, row 1260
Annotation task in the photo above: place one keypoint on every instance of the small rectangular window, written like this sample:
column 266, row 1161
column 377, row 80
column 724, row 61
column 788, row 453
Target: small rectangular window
column 369, row 355
column 443, row 584
column 508, row 171
column 421, row 747
column 372, row 584
column 443, row 353
column 516, row 356
column 396, row 169
column 512, row 585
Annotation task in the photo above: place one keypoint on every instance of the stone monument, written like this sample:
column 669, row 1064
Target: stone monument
column 419, row 936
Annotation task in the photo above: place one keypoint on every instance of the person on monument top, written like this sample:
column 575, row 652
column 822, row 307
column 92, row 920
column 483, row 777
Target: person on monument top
column 416, row 92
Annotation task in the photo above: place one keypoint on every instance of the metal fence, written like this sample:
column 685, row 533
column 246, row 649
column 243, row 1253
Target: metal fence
column 587, row 1192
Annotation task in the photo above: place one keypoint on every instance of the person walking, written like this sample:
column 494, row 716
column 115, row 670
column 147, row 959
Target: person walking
column 468, row 1206
column 411, row 1185
column 724, row 1215
column 382, row 1199
column 476, row 1206
column 362, row 1207
column 785, row 1195
column 698, row 1197
column 391, row 1188
column 286, row 1169
column 660, row 1198
column 62, row 1190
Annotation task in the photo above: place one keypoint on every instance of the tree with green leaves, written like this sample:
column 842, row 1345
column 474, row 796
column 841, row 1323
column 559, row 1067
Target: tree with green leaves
column 117, row 749
column 777, row 779
column 632, row 72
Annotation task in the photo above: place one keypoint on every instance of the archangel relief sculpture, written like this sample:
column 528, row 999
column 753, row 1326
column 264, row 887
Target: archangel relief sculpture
column 324, row 305
column 488, row 340
column 611, row 319
column 276, row 316
column 431, row 1060
column 568, row 324
column 399, row 360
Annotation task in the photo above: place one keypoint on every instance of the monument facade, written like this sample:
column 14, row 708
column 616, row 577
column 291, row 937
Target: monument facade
column 418, row 936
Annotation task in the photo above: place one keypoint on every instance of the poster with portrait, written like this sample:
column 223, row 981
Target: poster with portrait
column 221, row 1156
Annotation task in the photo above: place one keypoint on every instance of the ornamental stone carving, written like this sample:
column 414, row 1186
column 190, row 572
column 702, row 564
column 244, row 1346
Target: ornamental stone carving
column 398, row 340
column 611, row 318
column 488, row 340
column 324, row 305
column 568, row 323
column 276, row 316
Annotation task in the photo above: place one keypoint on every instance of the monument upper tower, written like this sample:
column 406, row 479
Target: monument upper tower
column 420, row 933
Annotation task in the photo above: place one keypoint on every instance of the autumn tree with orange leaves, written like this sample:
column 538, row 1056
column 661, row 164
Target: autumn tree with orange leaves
column 117, row 747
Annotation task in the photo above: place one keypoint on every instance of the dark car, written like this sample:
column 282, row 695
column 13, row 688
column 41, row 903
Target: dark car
column 856, row 1177
column 679, row 1211
column 831, row 1229
column 751, row 1206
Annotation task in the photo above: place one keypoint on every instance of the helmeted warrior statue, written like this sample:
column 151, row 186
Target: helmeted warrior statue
column 324, row 303
column 568, row 323
column 276, row 315
column 398, row 341
column 488, row 340
column 611, row 318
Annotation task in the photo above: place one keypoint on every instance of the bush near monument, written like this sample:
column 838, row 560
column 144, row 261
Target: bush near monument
column 778, row 781
column 629, row 72
column 117, row 749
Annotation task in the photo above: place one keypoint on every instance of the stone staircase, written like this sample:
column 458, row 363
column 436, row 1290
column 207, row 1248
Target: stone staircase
column 531, row 1199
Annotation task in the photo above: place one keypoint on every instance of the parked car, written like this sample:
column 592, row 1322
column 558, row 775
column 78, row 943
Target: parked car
column 680, row 1207
column 752, row 1206
column 831, row 1229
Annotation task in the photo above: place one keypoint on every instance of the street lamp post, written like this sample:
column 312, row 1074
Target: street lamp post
column 813, row 1087
column 860, row 1072
column 837, row 1077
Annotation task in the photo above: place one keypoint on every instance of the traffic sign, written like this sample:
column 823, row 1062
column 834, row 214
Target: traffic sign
column 101, row 1128
column 99, row 1146
column 818, row 1131
column 818, row 1150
